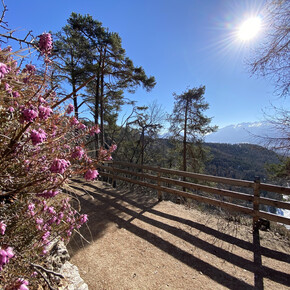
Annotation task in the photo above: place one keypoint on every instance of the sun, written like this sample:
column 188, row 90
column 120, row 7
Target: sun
column 250, row 28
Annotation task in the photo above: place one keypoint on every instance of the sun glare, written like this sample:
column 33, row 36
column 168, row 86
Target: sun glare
column 250, row 28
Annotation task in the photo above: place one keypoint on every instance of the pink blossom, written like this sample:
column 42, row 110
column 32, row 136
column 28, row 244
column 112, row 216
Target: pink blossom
column 24, row 285
column 7, row 88
column 45, row 236
column 59, row 165
column 70, row 109
column 48, row 193
column 31, row 206
column 74, row 121
column 44, row 112
column 83, row 218
column 104, row 154
column 15, row 94
column 9, row 252
column 91, row 174
column 11, row 109
column 51, row 210
column 78, row 153
column 3, row 258
column 5, row 255
column 39, row 221
column 45, row 43
column 30, row 69
column 7, row 49
column 3, row 70
column 113, row 148
column 95, row 130
column 52, row 220
column 81, row 126
column 21, row 284
column 41, row 100
column 2, row 228
column 37, row 137
column 29, row 114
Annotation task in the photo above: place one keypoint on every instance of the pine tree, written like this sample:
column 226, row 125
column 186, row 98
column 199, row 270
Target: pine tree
column 114, row 71
column 70, row 51
column 188, row 122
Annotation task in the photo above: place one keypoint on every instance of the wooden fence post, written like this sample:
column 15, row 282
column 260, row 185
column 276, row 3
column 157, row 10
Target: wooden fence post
column 256, row 203
column 159, row 192
column 113, row 176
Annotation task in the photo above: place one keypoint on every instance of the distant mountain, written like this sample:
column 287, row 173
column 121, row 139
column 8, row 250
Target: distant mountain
column 252, row 133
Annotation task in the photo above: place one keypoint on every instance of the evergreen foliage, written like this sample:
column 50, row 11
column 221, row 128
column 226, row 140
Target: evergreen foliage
column 189, row 124
column 105, row 58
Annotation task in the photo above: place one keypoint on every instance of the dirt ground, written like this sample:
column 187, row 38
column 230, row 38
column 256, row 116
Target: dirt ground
column 137, row 242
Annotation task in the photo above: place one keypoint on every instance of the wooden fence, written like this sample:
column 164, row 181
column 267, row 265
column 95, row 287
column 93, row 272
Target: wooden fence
column 211, row 192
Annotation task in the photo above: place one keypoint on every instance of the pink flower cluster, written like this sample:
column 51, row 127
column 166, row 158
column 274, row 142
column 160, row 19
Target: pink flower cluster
column 7, row 88
column 6, row 253
column 59, row 165
column 15, row 94
column 48, row 193
column 74, row 121
column 70, row 109
column 21, row 284
column 91, row 174
column 78, row 153
column 29, row 114
column 45, row 43
column 44, row 112
column 104, row 154
column 83, row 218
column 113, row 148
column 37, row 137
column 95, row 130
column 2, row 228
column 3, row 70
column 29, row 68
column 81, row 126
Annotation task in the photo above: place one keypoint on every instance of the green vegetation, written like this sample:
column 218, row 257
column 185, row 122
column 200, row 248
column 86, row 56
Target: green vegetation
column 241, row 161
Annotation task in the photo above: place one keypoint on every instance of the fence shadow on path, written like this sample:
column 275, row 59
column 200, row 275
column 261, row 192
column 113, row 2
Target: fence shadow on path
column 107, row 205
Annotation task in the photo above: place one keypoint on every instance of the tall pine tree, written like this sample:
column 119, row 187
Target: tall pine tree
column 188, row 122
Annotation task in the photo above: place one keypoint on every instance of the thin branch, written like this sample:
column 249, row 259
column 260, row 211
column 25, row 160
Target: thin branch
column 47, row 270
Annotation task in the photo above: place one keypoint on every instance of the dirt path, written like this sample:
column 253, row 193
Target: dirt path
column 138, row 243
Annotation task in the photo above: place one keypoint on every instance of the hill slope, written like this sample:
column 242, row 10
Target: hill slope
column 242, row 161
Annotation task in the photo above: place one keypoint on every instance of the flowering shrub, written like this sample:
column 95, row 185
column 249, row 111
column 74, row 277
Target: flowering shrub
column 41, row 146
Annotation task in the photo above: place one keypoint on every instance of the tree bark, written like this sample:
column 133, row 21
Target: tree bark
column 185, row 141
column 96, row 111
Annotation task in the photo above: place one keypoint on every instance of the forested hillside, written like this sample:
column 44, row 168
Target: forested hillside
column 242, row 161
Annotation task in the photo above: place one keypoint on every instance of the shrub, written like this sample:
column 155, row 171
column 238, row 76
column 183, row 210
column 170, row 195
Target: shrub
column 41, row 146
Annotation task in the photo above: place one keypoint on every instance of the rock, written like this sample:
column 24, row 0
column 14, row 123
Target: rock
column 72, row 279
column 59, row 262
column 58, row 255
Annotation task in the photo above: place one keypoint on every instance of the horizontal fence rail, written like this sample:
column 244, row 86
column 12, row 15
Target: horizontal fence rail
column 212, row 193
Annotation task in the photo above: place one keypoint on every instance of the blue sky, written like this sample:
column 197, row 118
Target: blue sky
column 183, row 43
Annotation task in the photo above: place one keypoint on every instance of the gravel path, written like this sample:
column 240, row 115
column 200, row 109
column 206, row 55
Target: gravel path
column 137, row 242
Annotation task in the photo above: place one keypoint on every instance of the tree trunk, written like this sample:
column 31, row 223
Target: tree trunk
column 102, row 111
column 185, row 142
column 96, row 113
column 75, row 98
column 102, row 98
column 142, row 146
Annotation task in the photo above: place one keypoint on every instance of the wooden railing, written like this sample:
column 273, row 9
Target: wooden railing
column 248, row 199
